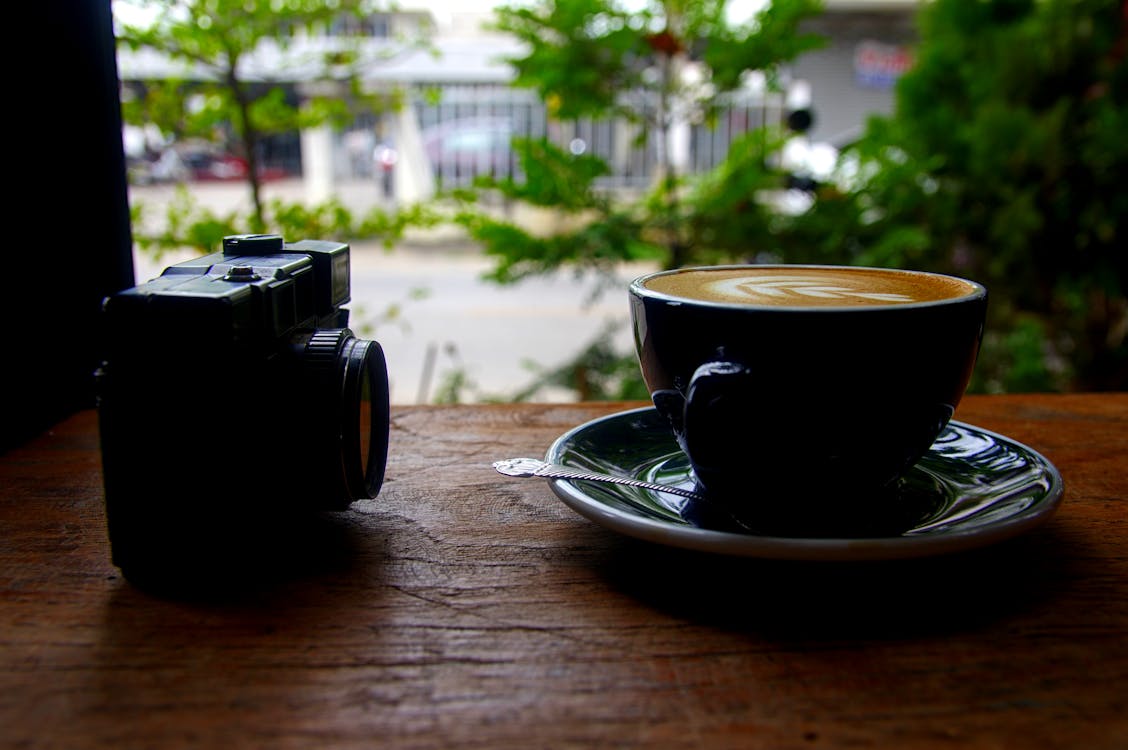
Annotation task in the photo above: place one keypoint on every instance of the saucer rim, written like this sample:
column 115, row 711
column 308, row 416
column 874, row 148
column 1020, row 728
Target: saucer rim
column 947, row 541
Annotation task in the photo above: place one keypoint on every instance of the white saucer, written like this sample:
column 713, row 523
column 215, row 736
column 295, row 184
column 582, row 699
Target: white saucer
column 973, row 488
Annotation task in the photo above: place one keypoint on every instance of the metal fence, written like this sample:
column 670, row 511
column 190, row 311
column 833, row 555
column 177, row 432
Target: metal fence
column 467, row 131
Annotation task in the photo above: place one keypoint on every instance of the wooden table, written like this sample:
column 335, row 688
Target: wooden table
column 465, row 609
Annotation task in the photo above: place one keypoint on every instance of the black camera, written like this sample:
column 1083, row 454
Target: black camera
column 232, row 397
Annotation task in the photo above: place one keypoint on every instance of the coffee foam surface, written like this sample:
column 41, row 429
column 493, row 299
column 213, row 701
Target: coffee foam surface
column 809, row 287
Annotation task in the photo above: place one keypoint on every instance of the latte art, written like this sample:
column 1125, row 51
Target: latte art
column 797, row 289
column 809, row 286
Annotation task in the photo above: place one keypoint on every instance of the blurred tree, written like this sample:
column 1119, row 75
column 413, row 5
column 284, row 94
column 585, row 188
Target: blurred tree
column 214, row 39
column 682, row 59
column 1005, row 160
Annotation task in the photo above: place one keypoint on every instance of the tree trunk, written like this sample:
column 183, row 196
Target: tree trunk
column 249, row 138
column 677, row 248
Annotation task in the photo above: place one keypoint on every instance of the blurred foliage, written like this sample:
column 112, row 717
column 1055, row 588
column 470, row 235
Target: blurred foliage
column 596, row 58
column 212, row 40
column 604, row 235
column 599, row 59
column 1004, row 161
column 599, row 373
column 584, row 54
column 187, row 224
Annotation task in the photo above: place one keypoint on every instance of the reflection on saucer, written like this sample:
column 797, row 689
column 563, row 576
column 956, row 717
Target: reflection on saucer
column 971, row 489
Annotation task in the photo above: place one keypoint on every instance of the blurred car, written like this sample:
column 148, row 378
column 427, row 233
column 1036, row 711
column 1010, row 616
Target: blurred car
column 155, row 169
column 460, row 150
column 206, row 161
column 194, row 160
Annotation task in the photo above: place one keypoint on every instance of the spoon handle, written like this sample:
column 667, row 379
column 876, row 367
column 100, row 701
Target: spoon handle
column 531, row 467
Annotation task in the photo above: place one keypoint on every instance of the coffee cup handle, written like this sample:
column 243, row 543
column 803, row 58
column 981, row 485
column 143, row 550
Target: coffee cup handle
column 708, row 419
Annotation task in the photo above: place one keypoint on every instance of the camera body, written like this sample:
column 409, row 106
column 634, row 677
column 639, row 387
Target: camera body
column 233, row 397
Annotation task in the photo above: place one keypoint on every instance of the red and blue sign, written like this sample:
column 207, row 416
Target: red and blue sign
column 878, row 65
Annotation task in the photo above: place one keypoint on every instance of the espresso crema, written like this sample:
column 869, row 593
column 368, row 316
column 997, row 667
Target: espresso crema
column 801, row 286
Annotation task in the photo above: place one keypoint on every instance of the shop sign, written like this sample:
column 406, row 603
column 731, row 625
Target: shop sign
column 878, row 65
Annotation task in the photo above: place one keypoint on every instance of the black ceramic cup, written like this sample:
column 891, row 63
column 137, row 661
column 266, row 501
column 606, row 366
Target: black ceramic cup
column 797, row 389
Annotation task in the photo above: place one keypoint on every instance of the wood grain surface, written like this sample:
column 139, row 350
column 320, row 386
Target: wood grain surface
column 466, row 609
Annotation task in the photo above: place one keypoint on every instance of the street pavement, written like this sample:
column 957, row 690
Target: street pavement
column 447, row 319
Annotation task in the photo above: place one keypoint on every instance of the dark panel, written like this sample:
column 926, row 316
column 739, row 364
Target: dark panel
column 68, row 238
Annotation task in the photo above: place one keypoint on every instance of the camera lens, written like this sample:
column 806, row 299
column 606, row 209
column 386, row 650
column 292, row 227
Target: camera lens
column 349, row 402
column 364, row 401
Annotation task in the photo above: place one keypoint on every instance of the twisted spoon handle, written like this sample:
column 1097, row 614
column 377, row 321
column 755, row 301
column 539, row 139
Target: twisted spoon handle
column 531, row 467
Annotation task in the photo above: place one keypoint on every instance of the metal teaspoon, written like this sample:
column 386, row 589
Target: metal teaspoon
column 531, row 467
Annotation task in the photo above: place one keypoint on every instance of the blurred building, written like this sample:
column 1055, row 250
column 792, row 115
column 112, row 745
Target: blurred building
column 869, row 44
column 460, row 100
